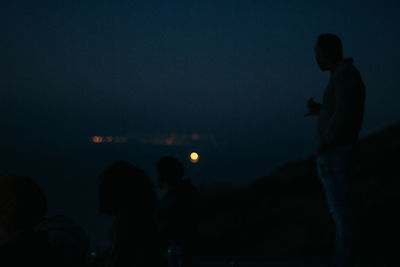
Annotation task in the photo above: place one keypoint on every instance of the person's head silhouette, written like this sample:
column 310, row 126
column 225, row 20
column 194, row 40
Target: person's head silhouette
column 22, row 206
column 124, row 187
column 169, row 173
column 127, row 193
column 328, row 51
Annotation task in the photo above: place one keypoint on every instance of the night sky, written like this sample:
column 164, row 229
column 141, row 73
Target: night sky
column 241, row 70
column 238, row 73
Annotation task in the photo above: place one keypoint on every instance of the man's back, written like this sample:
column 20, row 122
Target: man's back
column 342, row 111
column 177, row 219
column 177, row 212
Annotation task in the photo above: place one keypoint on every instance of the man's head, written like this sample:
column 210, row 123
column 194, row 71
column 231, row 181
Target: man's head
column 328, row 51
column 170, row 172
column 22, row 205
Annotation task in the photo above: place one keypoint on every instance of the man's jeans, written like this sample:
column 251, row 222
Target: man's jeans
column 335, row 169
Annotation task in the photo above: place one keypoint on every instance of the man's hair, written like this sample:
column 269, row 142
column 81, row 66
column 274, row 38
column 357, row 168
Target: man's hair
column 330, row 45
column 22, row 203
column 170, row 170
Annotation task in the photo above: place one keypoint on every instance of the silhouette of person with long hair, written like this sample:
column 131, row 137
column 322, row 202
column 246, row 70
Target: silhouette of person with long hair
column 338, row 126
column 127, row 193
column 177, row 213
column 22, row 210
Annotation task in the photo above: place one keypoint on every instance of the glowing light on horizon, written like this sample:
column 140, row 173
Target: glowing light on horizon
column 120, row 139
column 108, row 139
column 169, row 141
column 97, row 139
column 194, row 157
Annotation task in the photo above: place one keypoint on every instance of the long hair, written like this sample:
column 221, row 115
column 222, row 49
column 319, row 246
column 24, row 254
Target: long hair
column 22, row 203
column 125, row 187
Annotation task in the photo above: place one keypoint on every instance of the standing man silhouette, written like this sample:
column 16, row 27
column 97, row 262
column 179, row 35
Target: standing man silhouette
column 338, row 126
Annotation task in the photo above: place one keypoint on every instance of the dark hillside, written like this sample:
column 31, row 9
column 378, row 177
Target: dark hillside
column 285, row 215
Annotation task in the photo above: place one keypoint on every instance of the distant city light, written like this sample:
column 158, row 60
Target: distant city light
column 194, row 157
column 108, row 139
column 97, row 139
column 169, row 141
column 120, row 139
column 158, row 139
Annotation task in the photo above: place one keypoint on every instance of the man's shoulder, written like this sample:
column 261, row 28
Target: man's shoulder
column 346, row 73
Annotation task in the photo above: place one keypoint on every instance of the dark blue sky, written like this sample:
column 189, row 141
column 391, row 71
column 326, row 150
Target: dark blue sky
column 241, row 70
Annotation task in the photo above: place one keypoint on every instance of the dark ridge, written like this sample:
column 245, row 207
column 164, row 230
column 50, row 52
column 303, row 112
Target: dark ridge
column 284, row 215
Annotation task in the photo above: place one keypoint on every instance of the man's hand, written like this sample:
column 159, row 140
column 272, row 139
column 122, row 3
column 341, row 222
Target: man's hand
column 313, row 107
